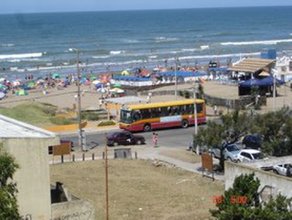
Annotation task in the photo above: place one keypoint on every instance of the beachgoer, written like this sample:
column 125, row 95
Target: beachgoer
column 155, row 139
column 215, row 109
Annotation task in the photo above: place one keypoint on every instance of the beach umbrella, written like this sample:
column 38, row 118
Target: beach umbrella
column 96, row 82
column 15, row 83
column 117, row 90
column 117, row 85
column 102, row 90
column 56, row 76
column 2, row 95
column 125, row 73
column 21, row 92
column 2, row 86
column 92, row 78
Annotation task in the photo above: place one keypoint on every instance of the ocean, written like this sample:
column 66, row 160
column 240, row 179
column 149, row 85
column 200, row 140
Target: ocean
column 113, row 41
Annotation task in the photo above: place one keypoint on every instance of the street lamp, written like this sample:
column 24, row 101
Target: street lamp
column 80, row 131
column 195, row 113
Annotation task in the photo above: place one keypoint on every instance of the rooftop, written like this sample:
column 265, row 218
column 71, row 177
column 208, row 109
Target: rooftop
column 252, row 65
column 11, row 128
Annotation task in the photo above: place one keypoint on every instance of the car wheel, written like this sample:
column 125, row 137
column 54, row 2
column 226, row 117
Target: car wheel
column 116, row 144
column 147, row 128
column 276, row 171
column 139, row 142
column 184, row 124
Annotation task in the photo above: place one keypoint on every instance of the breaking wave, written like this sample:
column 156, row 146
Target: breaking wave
column 266, row 42
column 20, row 56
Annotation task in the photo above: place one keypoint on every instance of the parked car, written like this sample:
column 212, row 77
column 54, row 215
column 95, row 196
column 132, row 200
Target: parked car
column 252, row 141
column 283, row 169
column 230, row 152
column 248, row 155
column 124, row 138
column 194, row 148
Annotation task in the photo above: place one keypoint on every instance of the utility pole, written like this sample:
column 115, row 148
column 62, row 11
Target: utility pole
column 195, row 115
column 274, row 92
column 106, row 183
column 175, row 73
column 80, row 131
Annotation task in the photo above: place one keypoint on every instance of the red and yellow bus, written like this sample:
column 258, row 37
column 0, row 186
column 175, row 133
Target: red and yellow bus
column 145, row 117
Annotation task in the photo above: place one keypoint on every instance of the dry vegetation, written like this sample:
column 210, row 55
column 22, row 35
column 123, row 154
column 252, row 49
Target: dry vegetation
column 181, row 154
column 140, row 190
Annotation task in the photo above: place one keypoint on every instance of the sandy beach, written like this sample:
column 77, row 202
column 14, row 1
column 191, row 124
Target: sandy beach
column 66, row 97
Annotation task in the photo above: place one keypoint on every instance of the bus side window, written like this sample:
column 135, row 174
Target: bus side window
column 199, row 108
column 136, row 115
column 164, row 111
column 145, row 113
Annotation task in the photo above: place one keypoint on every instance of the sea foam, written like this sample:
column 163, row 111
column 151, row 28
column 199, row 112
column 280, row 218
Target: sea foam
column 20, row 56
column 267, row 42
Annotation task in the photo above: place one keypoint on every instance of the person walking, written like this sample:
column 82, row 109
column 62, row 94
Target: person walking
column 155, row 139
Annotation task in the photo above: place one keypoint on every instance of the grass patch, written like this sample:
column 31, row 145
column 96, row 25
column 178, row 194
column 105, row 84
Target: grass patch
column 33, row 113
column 139, row 190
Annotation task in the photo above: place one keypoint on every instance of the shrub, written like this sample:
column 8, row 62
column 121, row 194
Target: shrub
column 62, row 121
column 90, row 116
column 106, row 123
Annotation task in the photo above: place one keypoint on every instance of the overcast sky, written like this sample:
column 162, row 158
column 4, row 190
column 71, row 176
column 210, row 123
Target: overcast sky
column 24, row 6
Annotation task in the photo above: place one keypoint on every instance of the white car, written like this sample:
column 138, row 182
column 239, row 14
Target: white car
column 230, row 152
column 248, row 155
column 283, row 169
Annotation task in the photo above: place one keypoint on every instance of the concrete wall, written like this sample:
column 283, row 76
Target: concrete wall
column 32, row 178
column 280, row 184
column 76, row 209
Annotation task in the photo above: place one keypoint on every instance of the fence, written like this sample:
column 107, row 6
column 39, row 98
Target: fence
column 79, row 157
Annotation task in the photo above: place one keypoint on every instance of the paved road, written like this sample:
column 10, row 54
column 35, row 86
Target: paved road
column 176, row 137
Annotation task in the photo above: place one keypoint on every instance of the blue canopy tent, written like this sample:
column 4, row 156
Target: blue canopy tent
column 267, row 81
column 263, row 85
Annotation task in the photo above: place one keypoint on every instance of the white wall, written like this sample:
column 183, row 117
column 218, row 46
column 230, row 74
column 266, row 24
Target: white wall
column 281, row 184
column 32, row 178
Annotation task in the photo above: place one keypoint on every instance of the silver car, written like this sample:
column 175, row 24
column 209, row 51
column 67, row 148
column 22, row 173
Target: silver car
column 230, row 152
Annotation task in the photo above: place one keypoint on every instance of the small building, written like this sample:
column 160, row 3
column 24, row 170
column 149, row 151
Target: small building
column 29, row 146
column 252, row 69
column 114, row 105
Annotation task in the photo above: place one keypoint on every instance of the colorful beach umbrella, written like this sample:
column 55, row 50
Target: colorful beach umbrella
column 117, row 85
column 56, row 76
column 21, row 92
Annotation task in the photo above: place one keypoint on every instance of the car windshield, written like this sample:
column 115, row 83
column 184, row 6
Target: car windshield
column 231, row 148
column 126, row 116
column 257, row 156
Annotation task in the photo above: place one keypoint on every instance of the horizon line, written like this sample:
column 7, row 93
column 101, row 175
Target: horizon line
column 149, row 9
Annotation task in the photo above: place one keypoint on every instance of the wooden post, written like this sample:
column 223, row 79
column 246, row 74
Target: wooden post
column 62, row 158
column 73, row 157
column 93, row 156
column 136, row 155
column 83, row 156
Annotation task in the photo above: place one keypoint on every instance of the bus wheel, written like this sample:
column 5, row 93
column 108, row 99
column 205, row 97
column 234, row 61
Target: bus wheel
column 184, row 124
column 147, row 127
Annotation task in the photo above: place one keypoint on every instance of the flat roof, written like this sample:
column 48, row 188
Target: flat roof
column 126, row 100
column 251, row 65
column 165, row 104
column 11, row 128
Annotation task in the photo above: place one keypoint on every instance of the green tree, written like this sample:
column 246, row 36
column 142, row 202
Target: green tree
column 8, row 190
column 247, row 186
column 229, row 129
column 276, row 131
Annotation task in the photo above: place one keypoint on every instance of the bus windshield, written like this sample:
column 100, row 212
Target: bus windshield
column 126, row 116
